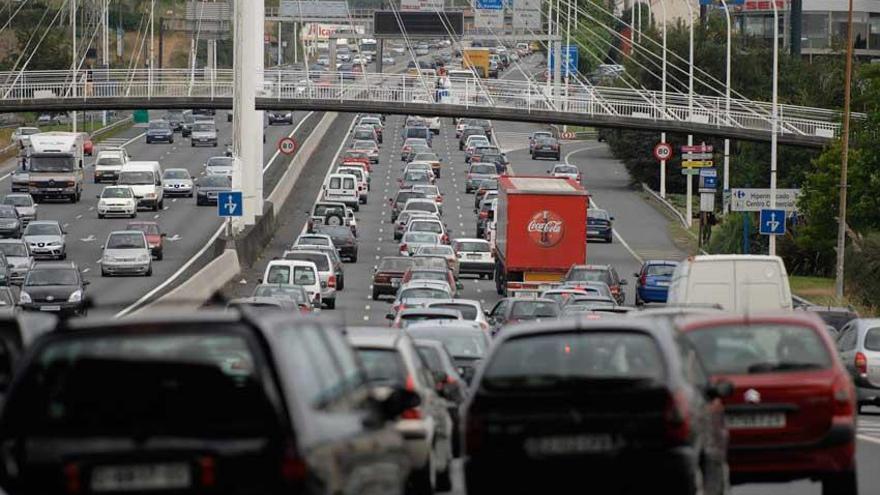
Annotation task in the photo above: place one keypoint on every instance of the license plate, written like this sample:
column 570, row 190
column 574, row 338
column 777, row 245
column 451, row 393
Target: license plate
column 473, row 256
column 141, row 477
column 592, row 232
column 567, row 445
column 662, row 284
column 50, row 308
column 746, row 421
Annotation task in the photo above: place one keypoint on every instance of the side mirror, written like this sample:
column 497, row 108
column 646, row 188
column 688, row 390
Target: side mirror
column 624, row 282
column 719, row 390
column 611, row 218
column 636, row 275
column 459, row 285
column 163, row 234
column 389, row 316
column 487, row 313
column 86, row 282
column 98, row 196
column 259, row 280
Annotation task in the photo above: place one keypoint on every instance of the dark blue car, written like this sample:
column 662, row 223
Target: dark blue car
column 600, row 225
column 652, row 281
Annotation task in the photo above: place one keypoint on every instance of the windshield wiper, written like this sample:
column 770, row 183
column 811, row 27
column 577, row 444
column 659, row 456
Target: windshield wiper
column 783, row 366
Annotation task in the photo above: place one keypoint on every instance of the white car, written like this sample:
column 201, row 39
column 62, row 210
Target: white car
column 219, row 165
column 323, row 60
column 388, row 60
column 22, row 136
column 475, row 256
column 314, row 240
column 434, row 124
column 177, row 182
column 117, row 201
column 295, row 272
column 565, row 170
column 127, row 252
column 109, row 163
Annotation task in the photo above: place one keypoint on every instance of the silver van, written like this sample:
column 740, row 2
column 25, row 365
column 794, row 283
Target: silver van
column 859, row 346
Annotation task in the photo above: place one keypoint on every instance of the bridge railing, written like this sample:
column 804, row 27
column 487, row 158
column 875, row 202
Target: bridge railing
column 528, row 95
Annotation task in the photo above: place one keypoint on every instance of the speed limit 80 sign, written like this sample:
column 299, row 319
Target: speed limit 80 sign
column 663, row 151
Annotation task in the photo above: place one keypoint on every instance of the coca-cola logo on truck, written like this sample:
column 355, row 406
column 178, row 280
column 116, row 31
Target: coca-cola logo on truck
column 546, row 228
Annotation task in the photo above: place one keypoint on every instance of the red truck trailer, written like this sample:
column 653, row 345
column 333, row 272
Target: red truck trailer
column 541, row 231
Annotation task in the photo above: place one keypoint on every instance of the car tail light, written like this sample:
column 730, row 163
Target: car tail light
column 643, row 280
column 293, row 468
column 474, row 430
column 678, row 424
column 555, row 146
column 439, row 199
column 444, row 239
column 414, row 412
column 207, row 471
column 305, row 309
column 484, row 214
column 403, row 249
column 843, row 393
column 615, row 290
column 331, row 282
column 72, row 478
column 382, row 278
column 861, row 363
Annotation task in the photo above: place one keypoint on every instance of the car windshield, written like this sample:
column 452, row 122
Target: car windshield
column 598, row 214
column 428, row 157
column 438, row 250
column 872, row 339
column 176, row 174
column 660, row 270
column 421, row 238
column 319, row 259
column 16, row 249
column 28, row 131
column 155, row 384
column 473, row 247
column 220, row 161
column 434, row 227
column 428, row 206
column 7, row 212
column 416, row 176
column 42, row 229
column 136, row 178
column 335, row 232
column 383, row 366
column 159, row 125
column 108, row 160
column 484, row 168
column 126, row 241
column 116, row 192
column 534, row 309
column 541, row 135
column 51, row 163
column 363, row 144
column 200, row 127
column 424, row 293
column 550, row 360
column 468, row 312
column 51, row 276
column 404, row 196
column 589, row 275
column 146, row 228
column 759, row 348
column 313, row 240
column 459, row 344
column 215, row 181
column 428, row 190
column 19, row 200
column 363, row 134
column 293, row 293
column 429, row 275
column 565, row 169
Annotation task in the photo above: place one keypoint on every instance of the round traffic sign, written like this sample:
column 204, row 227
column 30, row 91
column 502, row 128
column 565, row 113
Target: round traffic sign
column 663, row 151
column 287, row 145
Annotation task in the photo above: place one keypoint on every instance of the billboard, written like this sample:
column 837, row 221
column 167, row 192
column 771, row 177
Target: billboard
column 527, row 15
column 421, row 5
column 489, row 19
column 386, row 23
column 315, row 31
column 309, row 10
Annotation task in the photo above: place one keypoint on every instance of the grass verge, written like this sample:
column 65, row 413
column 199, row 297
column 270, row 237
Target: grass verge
column 820, row 290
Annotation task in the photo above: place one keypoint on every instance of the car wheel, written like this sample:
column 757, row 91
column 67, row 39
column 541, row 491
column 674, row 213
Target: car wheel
column 340, row 284
column 609, row 239
column 192, row 145
column 331, row 303
column 100, row 217
column 150, row 271
column 171, row 141
column 354, row 259
column 444, row 479
column 844, row 483
column 64, row 255
column 375, row 294
column 159, row 255
column 422, row 480
column 104, row 273
column 148, row 141
column 357, row 207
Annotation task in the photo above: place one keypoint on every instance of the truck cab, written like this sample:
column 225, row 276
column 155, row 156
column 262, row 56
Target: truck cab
column 55, row 166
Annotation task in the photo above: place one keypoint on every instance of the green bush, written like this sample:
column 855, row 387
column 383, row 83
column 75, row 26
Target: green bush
column 862, row 273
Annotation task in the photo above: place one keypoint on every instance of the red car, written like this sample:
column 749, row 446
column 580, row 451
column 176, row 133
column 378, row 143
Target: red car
column 88, row 147
column 155, row 237
column 792, row 414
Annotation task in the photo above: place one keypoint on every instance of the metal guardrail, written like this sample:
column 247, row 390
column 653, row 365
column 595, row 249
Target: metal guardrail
column 706, row 112
column 669, row 206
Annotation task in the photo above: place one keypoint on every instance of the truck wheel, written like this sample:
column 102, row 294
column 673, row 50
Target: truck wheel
column 375, row 294
column 331, row 303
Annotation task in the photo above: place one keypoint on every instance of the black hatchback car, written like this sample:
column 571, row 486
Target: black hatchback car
column 343, row 238
column 209, row 186
column 54, row 287
column 208, row 402
column 557, row 403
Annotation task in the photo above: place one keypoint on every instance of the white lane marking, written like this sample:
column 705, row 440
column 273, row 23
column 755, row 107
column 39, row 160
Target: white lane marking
column 78, row 217
column 593, row 204
column 866, row 438
column 86, row 270
column 174, row 238
column 155, row 216
column 90, row 238
column 278, row 152
column 65, row 225
column 366, row 318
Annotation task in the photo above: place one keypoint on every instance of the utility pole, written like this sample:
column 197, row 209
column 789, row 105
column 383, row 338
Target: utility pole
column 105, row 46
column 74, row 58
column 796, row 16
column 841, row 214
column 152, row 52
column 774, row 120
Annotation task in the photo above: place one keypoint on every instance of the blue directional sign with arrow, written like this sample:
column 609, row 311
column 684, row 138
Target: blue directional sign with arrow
column 230, row 204
column 772, row 222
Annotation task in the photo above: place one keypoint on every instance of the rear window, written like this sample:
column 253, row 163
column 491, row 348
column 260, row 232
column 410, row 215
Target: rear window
column 383, row 366
column 760, row 348
column 472, row 247
column 348, row 183
column 459, row 344
column 872, row 339
column 202, row 385
column 660, row 270
column 422, row 206
column 550, row 360
column 483, row 169
column 320, row 260
column 417, row 132
column 423, row 293
column 589, row 275
column 429, row 275
column 335, row 183
column 427, row 227
column 534, row 309
column 467, row 311
column 403, row 197
column 303, row 275
column 395, row 264
column 432, row 357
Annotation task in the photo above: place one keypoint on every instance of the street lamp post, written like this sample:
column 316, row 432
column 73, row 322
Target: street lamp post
column 774, row 118
column 841, row 215
column 727, row 107
column 663, row 93
column 690, row 178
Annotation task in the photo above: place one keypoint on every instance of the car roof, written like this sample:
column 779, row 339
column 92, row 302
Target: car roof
column 470, row 239
column 54, row 265
column 44, row 222
column 717, row 319
column 431, row 311
column 433, row 284
column 450, row 326
column 469, row 302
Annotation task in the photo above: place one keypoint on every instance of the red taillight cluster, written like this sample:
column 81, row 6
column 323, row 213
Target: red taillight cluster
column 861, row 363
column 415, row 412
column 207, row 471
column 382, row 278
column 643, row 280
column 403, row 249
column 677, row 417
column 293, row 468
column 72, row 478
column 444, row 239
column 331, row 282
column 484, row 214
column 843, row 394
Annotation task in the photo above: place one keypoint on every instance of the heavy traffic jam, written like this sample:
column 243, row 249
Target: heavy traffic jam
column 510, row 361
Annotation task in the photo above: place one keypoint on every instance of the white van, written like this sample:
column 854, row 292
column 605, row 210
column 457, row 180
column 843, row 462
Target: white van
column 145, row 179
column 363, row 185
column 342, row 188
column 295, row 272
column 738, row 283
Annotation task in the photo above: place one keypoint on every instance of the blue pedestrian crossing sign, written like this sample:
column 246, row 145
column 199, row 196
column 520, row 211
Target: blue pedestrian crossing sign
column 230, row 204
column 490, row 4
column 772, row 222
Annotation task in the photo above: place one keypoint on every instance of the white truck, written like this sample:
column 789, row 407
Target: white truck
column 55, row 165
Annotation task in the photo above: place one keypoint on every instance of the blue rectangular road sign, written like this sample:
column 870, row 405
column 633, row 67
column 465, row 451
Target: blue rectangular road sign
column 570, row 55
column 772, row 222
column 230, row 204
column 490, row 4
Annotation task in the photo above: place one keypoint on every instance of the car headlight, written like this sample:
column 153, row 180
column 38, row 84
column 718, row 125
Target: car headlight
column 150, row 195
column 76, row 296
column 108, row 258
column 24, row 298
column 143, row 258
column 288, row 115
